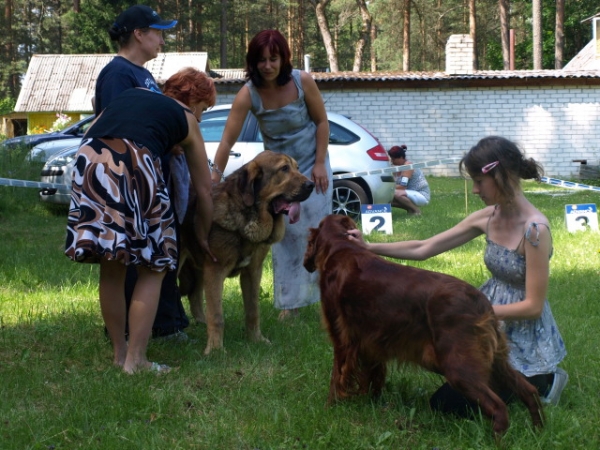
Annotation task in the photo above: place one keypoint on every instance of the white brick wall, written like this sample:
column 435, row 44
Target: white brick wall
column 553, row 125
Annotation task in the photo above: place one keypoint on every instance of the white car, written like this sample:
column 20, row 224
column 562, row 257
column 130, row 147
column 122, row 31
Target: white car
column 351, row 147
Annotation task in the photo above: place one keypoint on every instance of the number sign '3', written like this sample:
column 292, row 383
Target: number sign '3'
column 581, row 217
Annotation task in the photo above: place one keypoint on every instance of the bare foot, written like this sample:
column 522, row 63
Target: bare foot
column 119, row 359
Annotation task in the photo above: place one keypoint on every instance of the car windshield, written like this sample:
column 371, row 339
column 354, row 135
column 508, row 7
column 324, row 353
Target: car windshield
column 338, row 135
column 80, row 127
column 213, row 125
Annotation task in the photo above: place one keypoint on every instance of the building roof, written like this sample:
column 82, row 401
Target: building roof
column 584, row 68
column 66, row 83
column 231, row 74
column 585, row 59
column 589, row 19
column 237, row 75
column 441, row 80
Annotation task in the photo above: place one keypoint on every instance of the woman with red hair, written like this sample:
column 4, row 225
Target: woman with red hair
column 120, row 213
column 292, row 119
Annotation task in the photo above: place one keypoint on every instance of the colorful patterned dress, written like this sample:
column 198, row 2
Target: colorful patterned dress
column 120, row 208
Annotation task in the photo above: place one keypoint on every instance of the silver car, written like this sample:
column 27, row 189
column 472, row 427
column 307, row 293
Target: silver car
column 351, row 147
column 44, row 151
column 58, row 169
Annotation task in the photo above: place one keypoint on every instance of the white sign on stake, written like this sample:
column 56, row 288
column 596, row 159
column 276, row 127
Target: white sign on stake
column 581, row 217
column 376, row 217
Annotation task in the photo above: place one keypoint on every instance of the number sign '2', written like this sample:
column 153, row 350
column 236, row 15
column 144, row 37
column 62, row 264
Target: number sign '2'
column 376, row 217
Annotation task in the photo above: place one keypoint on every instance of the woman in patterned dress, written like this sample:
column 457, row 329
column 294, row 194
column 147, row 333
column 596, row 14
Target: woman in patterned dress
column 138, row 32
column 292, row 119
column 518, row 252
column 120, row 212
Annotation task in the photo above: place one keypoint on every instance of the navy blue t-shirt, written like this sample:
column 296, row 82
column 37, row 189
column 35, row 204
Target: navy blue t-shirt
column 117, row 76
column 147, row 118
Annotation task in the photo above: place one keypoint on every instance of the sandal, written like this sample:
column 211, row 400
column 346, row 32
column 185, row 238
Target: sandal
column 159, row 368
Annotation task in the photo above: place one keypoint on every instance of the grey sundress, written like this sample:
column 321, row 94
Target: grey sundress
column 291, row 130
column 536, row 346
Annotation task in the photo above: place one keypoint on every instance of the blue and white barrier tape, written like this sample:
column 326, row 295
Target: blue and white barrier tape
column 568, row 184
column 31, row 184
column 342, row 176
column 394, row 169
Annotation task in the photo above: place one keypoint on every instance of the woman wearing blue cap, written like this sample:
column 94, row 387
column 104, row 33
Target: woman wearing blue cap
column 138, row 33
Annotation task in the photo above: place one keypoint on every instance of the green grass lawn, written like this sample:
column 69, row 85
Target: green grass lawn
column 58, row 389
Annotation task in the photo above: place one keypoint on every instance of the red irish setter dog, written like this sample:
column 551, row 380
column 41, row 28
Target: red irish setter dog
column 376, row 311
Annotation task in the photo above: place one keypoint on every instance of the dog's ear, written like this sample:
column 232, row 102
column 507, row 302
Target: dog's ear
column 249, row 181
column 311, row 251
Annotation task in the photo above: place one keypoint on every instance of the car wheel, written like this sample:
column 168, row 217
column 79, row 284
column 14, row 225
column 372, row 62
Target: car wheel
column 347, row 198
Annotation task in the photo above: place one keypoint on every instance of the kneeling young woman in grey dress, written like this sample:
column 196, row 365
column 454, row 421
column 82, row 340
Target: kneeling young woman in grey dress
column 517, row 254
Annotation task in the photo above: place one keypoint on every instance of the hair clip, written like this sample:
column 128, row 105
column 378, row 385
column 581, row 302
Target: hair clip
column 490, row 166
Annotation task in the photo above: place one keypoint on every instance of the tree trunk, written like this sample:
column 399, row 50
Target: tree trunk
column 8, row 57
column 559, row 45
column 301, row 37
column 320, row 6
column 291, row 38
column 406, row 37
column 503, row 6
column 537, row 34
column 365, row 33
column 373, row 52
column 473, row 30
column 223, row 33
column 295, row 30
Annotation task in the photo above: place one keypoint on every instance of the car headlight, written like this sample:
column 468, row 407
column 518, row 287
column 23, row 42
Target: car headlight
column 36, row 153
column 62, row 160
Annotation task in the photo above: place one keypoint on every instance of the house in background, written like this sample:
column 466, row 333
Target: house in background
column 589, row 57
column 65, row 84
column 553, row 114
column 13, row 124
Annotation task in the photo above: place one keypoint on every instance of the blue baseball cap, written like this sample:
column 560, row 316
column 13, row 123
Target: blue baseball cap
column 141, row 16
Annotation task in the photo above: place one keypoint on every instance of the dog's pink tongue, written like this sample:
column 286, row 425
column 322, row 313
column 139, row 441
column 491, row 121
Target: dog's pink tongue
column 294, row 212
